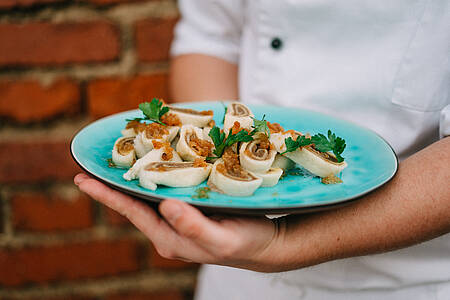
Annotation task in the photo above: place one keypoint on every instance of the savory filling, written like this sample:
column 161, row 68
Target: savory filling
column 170, row 119
column 239, row 110
column 275, row 127
column 168, row 150
column 328, row 157
column 231, row 167
column 168, row 166
column 259, row 149
column 192, row 112
column 136, row 126
column 125, row 146
column 155, row 131
column 199, row 146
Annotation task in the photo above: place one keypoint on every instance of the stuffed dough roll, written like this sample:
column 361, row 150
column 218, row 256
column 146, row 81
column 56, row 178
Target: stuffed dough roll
column 191, row 144
column 173, row 174
column 257, row 155
column 237, row 182
column 123, row 153
column 192, row 117
column 270, row 177
column 152, row 132
column 322, row 164
column 283, row 162
column 164, row 154
column 238, row 112
column 133, row 128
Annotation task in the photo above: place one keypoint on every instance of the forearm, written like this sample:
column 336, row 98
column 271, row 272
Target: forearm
column 412, row 208
column 197, row 77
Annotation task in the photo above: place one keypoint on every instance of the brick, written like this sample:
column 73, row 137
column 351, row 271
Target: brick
column 41, row 212
column 109, row 2
column 46, row 44
column 4, row 4
column 157, row 261
column 29, row 101
column 112, row 95
column 153, row 39
column 114, row 218
column 38, row 161
column 68, row 297
column 67, row 262
column 161, row 295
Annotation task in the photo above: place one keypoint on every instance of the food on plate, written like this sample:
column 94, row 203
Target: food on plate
column 173, row 174
column 238, row 112
column 283, row 162
column 180, row 147
column 232, row 180
column 257, row 156
column 123, row 153
column 162, row 152
column 270, row 177
column 192, row 145
column 192, row 117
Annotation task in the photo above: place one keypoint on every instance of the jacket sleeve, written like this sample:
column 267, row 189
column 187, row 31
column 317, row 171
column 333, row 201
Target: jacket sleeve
column 210, row 27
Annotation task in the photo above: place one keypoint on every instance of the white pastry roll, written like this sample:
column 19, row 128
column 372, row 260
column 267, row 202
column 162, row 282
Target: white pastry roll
column 123, row 153
column 238, row 183
column 283, row 162
column 206, row 136
column 192, row 117
column 154, row 131
column 133, row 128
column 163, row 153
column 322, row 164
column 278, row 139
column 173, row 174
column 270, row 177
column 257, row 155
column 238, row 112
column 191, row 144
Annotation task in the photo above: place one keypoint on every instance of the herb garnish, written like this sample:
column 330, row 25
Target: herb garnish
column 320, row 142
column 260, row 126
column 221, row 142
column 153, row 111
column 225, row 108
column 202, row 193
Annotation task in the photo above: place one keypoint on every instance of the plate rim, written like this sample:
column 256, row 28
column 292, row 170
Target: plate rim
column 207, row 208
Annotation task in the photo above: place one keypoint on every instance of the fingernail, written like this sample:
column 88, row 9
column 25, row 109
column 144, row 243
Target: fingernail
column 172, row 211
column 78, row 179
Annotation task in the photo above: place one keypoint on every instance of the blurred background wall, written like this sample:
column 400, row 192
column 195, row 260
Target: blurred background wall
column 64, row 63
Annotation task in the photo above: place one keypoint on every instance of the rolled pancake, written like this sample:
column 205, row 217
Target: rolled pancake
column 243, row 184
column 322, row 164
column 154, row 131
column 173, row 174
column 133, row 128
column 256, row 156
column 192, row 117
column 155, row 155
column 191, row 144
column 123, row 153
column 283, row 162
column 237, row 111
column 271, row 177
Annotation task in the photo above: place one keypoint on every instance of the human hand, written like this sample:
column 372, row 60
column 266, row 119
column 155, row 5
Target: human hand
column 186, row 234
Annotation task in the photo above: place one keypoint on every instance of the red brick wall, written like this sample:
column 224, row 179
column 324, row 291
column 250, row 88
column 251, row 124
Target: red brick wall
column 64, row 63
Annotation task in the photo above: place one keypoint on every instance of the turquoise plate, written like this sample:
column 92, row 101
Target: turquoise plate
column 371, row 163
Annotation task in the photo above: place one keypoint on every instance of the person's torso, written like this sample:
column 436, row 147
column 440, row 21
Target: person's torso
column 381, row 64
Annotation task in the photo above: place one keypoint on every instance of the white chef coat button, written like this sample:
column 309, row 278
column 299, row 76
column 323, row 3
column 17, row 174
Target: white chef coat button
column 276, row 43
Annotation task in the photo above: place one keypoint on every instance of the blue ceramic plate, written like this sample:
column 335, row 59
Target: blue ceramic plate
column 371, row 163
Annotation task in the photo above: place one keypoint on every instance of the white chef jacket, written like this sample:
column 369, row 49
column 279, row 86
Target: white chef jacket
column 384, row 65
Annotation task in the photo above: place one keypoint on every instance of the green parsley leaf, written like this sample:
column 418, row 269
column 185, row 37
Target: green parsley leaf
column 153, row 110
column 225, row 109
column 330, row 143
column 321, row 143
column 221, row 142
column 260, row 126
